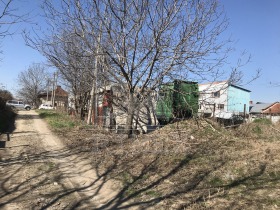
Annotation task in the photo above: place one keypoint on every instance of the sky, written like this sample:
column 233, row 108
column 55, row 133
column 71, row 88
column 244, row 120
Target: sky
column 253, row 26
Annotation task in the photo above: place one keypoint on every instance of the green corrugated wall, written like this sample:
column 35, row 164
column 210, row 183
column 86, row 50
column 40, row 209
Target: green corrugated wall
column 178, row 99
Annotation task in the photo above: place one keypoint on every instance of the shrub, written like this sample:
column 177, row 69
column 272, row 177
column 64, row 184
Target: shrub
column 7, row 118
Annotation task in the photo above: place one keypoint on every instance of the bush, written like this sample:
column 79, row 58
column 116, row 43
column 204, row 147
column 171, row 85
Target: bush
column 7, row 118
column 5, row 95
column 2, row 104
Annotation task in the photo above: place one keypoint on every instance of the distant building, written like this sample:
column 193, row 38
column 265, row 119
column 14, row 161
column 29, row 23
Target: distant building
column 112, row 110
column 266, row 110
column 220, row 98
column 60, row 97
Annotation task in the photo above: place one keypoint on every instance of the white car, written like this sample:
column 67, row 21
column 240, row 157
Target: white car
column 45, row 106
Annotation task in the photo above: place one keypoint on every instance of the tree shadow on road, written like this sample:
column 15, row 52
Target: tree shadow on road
column 43, row 180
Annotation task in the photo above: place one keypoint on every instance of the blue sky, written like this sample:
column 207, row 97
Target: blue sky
column 254, row 27
column 16, row 56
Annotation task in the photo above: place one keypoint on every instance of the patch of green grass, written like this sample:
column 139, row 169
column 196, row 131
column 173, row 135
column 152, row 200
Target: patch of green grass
column 257, row 129
column 51, row 165
column 153, row 193
column 263, row 121
column 240, row 171
column 62, row 124
column 58, row 120
column 126, row 178
column 47, row 114
column 216, row 181
column 274, row 175
column 47, row 166
column 272, row 202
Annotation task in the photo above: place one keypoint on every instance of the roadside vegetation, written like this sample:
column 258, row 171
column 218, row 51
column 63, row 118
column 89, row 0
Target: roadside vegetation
column 192, row 164
column 58, row 121
column 7, row 119
column 7, row 115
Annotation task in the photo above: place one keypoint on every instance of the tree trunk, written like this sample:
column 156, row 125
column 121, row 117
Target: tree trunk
column 130, row 115
column 91, row 105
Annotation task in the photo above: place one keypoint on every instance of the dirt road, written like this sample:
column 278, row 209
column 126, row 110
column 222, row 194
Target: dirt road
column 39, row 172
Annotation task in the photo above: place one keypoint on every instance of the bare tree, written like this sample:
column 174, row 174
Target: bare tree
column 151, row 42
column 145, row 43
column 9, row 17
column 75, row 66
column 66, row 51
column 4, row 12
column 31, row 82
column 6, row 17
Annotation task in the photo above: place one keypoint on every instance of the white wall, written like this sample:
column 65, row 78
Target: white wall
column 274, row 119
column 206, row 96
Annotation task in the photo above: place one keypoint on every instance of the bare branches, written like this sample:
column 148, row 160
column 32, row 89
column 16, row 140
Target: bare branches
column 237, row 72
column 140, row 44
column 9, row 17
column 31, row 82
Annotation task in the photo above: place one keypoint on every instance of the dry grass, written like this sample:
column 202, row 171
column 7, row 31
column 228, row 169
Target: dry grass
column 190, row 165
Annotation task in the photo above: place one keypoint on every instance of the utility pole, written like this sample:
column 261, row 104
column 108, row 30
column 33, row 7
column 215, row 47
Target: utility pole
column 54, row 86
column 244, row 112
column 52, row 89
column 47, row 90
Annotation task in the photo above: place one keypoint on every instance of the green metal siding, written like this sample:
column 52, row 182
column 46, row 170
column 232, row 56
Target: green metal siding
column 177, row 100
column 164, row 108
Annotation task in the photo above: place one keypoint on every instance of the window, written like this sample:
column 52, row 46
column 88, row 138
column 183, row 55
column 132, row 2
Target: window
column 221, row 106
column 216, row 94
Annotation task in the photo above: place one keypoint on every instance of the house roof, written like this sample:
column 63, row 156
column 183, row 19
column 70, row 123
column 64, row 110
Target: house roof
column 273, row 109
column 258, row 108
column 214, row 83
column 60, row 92
column 241, row 88
column 224, row 82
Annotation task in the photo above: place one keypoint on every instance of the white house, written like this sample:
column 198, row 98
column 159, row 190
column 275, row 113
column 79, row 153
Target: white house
column 222, row 99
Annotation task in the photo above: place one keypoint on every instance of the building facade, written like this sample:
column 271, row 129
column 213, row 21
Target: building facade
column 59, row 97
column 219, row 98
column 265, row 110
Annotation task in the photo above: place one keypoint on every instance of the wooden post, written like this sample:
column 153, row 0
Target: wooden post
column 214, row 110
column 244, row 115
